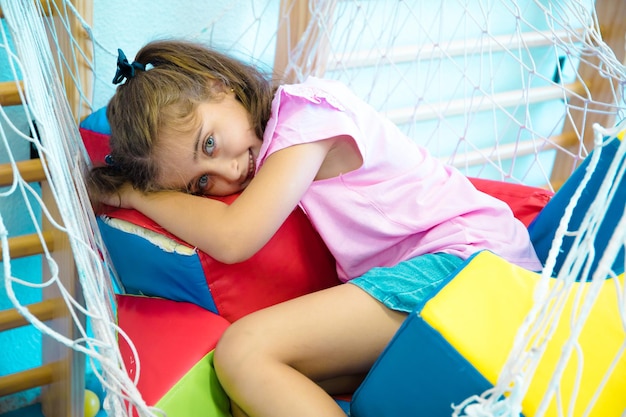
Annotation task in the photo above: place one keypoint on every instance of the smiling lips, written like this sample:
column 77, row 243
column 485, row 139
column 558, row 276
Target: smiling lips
column 250, row 173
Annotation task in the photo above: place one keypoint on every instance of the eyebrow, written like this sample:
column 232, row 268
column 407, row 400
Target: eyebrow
column 196, row 144
column 191, row 184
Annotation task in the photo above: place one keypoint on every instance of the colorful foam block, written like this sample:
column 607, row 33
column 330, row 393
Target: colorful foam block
column 174, row 343
column 150, row 261
column 457, row 343
column 542, row 230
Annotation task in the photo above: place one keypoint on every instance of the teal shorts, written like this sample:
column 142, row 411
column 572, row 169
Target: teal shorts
column 408, row 284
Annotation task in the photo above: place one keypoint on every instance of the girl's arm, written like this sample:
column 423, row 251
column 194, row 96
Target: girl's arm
column 233, row 233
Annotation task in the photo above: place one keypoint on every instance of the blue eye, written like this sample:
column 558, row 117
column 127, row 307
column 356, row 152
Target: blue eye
column 209, row 145
column 203, row 182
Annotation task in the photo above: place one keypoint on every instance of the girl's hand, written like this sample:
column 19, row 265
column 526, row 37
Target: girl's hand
column 122, row 198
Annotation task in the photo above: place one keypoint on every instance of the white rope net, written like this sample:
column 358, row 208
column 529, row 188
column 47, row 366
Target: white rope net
column 501, row 89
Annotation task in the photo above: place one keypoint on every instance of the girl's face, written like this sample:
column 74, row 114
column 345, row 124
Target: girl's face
column 216, row 156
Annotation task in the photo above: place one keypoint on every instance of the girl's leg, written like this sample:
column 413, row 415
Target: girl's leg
column 275, row 362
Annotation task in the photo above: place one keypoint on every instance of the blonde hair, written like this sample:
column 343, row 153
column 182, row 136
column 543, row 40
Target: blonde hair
column 179, row 75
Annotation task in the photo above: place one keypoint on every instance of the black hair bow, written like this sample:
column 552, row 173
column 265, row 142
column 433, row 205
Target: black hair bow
column 125, row 70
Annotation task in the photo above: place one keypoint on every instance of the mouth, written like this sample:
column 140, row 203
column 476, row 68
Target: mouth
column 251, row 165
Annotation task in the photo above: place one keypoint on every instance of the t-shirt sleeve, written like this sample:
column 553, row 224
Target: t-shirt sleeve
column 303, row 114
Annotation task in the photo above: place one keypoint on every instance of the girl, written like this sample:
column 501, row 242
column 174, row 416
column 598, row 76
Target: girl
column 189, row 121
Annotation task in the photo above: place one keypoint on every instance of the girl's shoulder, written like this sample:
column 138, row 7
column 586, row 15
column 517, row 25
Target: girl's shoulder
column 306, row 112
column 314, row 90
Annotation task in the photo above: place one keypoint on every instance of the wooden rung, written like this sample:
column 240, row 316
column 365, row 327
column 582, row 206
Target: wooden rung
column 43, row 310
column 31, row 170
column 29, row 245
column 9, row 95
column 31, row 378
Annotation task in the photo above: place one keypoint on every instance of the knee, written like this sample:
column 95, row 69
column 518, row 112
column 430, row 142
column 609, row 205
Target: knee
column 235, row 349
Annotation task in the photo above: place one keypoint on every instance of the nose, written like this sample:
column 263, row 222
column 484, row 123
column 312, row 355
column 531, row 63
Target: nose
column 229, row 170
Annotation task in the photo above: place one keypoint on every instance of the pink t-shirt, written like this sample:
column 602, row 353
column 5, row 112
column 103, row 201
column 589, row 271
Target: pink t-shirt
column 401, row 202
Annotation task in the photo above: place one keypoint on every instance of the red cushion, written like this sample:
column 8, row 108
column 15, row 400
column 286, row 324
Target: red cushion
column 525, row 201
column 293, row 263
column 170, row 338
column 96, row 144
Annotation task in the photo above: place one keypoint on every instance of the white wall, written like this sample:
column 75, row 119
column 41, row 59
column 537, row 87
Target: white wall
column 240, row 27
